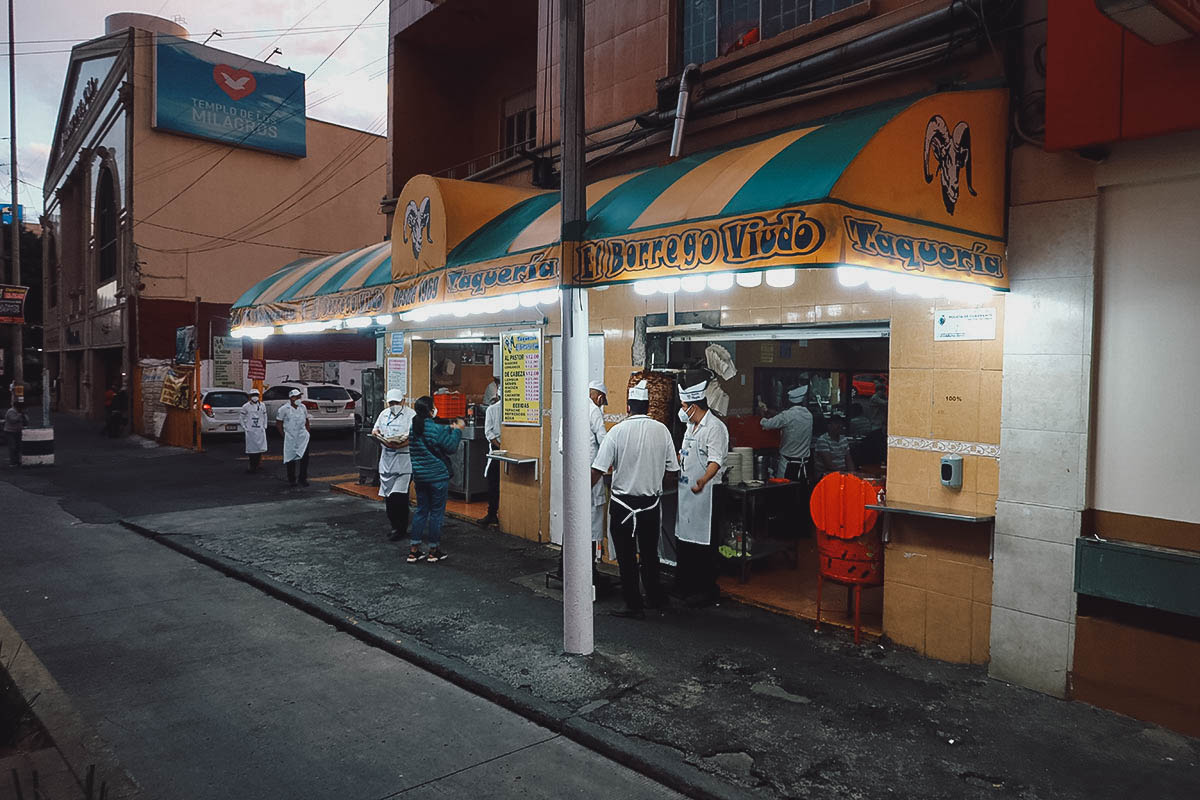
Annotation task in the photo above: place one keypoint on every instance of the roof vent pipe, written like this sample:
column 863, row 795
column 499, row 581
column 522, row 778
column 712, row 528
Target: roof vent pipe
column 681, row 107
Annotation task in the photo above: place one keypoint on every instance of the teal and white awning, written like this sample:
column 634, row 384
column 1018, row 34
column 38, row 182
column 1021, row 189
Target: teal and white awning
column 348, row 284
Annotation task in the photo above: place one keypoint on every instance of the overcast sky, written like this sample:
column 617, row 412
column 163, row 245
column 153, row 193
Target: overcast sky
column 351, row 89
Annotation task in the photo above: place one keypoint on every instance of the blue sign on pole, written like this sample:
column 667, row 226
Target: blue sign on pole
column 6, row 214
column 201, row 91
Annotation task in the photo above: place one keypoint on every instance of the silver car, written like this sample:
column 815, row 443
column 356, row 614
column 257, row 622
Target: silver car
column 330, row 406
column 222, row 410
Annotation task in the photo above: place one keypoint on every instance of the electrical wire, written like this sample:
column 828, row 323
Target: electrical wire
column 232, row 241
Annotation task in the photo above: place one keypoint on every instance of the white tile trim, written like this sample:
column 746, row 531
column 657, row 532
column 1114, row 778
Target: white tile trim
column 945, row 446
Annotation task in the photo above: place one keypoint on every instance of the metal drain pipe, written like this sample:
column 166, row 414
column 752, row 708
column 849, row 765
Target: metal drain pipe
column 681, row 109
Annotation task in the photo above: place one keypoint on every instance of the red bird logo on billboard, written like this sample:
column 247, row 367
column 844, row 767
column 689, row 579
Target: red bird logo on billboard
column 237, row 83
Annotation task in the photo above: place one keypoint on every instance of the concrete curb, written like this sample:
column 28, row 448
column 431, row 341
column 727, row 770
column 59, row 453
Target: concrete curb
column 657, row 762
column 75, row 740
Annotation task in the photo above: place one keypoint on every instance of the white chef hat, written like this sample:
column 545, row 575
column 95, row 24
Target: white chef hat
column 598, row 386
column 395, row 396
column 692, row 393
column 295, row 393
column 798, row 393
column 641, row 391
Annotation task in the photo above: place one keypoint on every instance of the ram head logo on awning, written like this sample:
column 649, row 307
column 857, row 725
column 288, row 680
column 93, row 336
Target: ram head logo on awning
column 950, row 153
column 416, row 225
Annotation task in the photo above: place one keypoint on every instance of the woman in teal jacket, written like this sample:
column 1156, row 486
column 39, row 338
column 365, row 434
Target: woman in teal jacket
column 431, row 446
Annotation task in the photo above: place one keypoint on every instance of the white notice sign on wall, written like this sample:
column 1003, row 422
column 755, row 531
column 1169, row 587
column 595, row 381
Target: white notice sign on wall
column 964, row 324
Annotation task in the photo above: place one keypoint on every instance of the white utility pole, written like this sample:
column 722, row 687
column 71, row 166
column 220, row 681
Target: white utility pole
column 577, row 474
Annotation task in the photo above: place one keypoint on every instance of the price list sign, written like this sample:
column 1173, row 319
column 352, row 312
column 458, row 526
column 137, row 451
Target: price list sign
column 521, row 384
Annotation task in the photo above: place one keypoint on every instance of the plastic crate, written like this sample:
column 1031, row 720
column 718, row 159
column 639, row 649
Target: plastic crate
column 450, row 405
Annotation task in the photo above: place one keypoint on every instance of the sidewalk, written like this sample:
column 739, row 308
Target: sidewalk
column 729, row 701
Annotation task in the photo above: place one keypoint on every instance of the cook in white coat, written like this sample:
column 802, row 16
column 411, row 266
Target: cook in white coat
column 254, row 426
column 796, row 425
column 395, row 464
column 292, row 421
column 492, row 417
column 598, row 394
column 701, row 458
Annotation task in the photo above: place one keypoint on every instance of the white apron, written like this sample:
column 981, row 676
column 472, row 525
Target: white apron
column 395, row 466
column 295, row 434
column 254, row 424
column 694, row 520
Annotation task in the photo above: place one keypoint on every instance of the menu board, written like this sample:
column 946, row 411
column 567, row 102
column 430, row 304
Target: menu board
column 397, row 374
column 521, row 379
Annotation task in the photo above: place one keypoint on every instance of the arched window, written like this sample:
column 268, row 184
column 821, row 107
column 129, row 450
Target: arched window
column 106, row 225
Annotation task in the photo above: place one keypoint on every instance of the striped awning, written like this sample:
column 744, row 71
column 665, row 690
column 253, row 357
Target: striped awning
column 913, row 186
column 320, row 288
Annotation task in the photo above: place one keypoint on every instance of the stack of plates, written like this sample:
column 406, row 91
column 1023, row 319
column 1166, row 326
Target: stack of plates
column 743, row 457
column 733, row 467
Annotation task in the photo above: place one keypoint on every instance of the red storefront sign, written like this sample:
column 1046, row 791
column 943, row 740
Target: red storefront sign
column 12, row 304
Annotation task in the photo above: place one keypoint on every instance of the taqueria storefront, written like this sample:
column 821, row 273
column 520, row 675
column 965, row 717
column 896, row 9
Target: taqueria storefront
column 862, row 256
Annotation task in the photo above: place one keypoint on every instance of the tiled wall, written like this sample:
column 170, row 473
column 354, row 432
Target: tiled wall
column 625, row 52
column 1044, row 424
column 937, row 590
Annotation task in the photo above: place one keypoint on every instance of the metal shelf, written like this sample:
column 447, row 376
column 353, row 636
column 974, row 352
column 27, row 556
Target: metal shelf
column 510, row 459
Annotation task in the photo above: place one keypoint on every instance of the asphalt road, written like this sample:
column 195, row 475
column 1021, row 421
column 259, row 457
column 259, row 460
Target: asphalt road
column 207, row 688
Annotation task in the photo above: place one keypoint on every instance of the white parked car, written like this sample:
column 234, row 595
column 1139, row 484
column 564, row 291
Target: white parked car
column 222, row 411
column 330, row 406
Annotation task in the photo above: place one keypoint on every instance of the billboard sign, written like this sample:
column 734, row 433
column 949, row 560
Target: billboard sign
column 12, row 304
column 212, row 94
column 6, row 214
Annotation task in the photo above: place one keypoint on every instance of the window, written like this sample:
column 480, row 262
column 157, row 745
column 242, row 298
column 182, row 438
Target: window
column 327, row 393
column 106, row 226
column 227, row 399
column 714, row 28
column 520, row 123
column 276, row 393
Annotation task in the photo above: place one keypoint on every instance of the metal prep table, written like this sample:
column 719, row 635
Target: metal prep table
column 466, row 466
column 749, row 496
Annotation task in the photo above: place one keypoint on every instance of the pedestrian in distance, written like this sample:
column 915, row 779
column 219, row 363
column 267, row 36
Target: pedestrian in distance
column 431, row 445
column 640, row 452
column 254, row 426
column 292, row 422
column 491, row 470
column 15, row 422
column 393, row 427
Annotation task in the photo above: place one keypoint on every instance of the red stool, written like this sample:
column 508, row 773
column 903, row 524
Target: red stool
column 849, row 545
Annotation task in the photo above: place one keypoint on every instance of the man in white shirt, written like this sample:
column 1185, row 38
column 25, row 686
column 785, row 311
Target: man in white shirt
column 491, row 431
column 640, row 452
column 795, row 424
column 701, row 459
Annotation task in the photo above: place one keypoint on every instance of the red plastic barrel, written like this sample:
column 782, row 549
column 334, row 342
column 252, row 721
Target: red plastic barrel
column 850, row 546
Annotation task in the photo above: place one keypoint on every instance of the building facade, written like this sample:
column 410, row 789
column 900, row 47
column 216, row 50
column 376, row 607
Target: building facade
column 161, row 200
column 1064, row 558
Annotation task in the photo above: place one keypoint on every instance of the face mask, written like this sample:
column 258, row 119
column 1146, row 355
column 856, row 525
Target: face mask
column 683, row 416
column 253, row 399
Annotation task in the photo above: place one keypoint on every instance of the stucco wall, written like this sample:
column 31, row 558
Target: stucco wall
column 196, row 245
